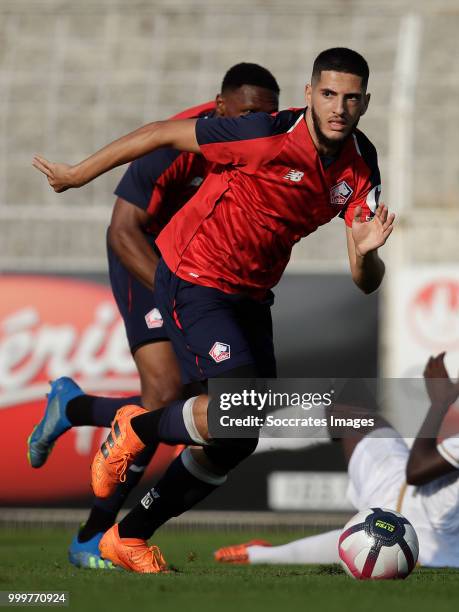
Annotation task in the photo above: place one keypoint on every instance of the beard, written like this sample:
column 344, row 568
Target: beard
column 329, row 143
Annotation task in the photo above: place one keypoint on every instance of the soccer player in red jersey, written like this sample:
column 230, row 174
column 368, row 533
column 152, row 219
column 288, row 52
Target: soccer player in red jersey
column 276, row 179
column 152, row 190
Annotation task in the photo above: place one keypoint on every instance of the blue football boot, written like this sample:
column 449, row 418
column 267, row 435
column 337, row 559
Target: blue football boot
column 87, row 554
column 54, row 422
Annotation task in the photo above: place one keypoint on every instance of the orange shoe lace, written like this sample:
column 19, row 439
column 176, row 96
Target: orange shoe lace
column 121, row 464
column 150, row 555
column 157, row 557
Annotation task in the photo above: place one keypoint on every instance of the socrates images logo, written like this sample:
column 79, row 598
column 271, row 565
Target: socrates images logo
column 220, row 351
column 433, row 315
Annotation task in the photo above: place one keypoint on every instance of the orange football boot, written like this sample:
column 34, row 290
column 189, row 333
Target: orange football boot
column 117, row 453
column 131, row 554
column 238, row 552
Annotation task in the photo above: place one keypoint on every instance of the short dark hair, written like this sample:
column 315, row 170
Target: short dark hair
column 249, row 74
column 341, row 59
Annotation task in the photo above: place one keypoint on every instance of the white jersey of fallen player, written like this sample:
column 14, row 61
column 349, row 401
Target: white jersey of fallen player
column 377, row 478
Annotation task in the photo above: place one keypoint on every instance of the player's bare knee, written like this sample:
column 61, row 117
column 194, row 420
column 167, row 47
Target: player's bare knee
column 161, row 393
column 200, row 405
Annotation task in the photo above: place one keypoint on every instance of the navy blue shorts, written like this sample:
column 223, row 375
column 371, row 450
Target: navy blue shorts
column 214, row 332
column 137, row 305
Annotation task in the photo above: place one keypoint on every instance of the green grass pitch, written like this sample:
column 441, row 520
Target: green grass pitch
column 36, row 559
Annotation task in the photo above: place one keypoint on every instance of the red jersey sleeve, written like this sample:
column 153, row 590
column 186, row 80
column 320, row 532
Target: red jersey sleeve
column 367, row 181
column 175, row 187
column 165, row 178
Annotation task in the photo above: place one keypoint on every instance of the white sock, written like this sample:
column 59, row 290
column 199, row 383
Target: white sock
column 199, row 471
column 322, row 548
column 278, row 439
column 265, row 445
column 190, row 425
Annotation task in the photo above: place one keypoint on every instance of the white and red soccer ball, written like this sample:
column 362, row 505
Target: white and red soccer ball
column 378, row 544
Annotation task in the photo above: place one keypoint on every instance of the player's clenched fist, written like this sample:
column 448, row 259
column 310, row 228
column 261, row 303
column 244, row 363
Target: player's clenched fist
column 60, row 176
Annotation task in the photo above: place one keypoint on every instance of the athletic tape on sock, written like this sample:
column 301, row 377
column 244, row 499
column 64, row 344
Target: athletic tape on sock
column 199, row 471
column 188, row 420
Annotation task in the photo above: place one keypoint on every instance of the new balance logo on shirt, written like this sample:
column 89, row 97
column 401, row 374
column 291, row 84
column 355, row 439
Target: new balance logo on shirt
column 294, row 175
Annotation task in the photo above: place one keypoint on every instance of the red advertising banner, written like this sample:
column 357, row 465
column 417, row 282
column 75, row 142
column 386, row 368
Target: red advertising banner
column 51, row 327
column 424, row 322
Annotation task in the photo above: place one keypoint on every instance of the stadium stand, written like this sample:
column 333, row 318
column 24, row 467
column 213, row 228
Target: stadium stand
column 75, row 74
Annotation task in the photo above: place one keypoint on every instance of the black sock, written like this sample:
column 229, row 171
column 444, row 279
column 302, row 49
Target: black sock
column 164, row 425
column 177, row 491
column 104, row 511
column 97, row 411
column 99, row 521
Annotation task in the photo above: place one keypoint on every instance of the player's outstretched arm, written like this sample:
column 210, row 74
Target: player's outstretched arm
column 425, row 463
column 363, row 241
column 176, row 134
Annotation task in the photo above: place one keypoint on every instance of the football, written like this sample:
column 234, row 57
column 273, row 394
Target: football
column 378, row 544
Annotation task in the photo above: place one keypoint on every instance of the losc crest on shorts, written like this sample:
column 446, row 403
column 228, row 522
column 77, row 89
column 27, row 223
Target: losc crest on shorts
column 214, row 332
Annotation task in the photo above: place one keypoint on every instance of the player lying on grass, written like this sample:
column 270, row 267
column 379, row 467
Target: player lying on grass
column 151, row 191
column 276, row 179
column 421, row 483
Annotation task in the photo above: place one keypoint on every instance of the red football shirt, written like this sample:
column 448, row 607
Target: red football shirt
column 268, row 189
column 162, row 181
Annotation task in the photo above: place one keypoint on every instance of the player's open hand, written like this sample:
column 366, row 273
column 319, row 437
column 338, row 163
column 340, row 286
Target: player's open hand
column 369, row 236
column 441, row 389
column 60, row 176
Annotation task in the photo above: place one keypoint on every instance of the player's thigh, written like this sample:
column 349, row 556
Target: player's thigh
column 377, row 469
column 159, row 374
column 213, row 333
column 203, row 326
column 137, row 305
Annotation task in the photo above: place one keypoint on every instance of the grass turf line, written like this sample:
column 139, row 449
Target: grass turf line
column 36, row 559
